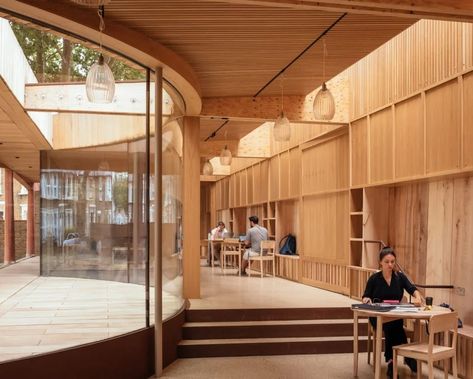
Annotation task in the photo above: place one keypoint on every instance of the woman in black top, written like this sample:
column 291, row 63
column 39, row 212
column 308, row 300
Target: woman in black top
column 389, row 284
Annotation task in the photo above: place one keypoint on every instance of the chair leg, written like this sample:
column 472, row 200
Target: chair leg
column 239, row 265
column 431, row 369
column 262, row 268
column 454, row 367
column 368, row 347
column 394, row 363
column 419, row 369
column 274, row 268
column 222, row 262
column 446, row 364
column 249, row 267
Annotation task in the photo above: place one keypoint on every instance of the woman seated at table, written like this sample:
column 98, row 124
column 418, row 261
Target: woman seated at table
column 389, row 284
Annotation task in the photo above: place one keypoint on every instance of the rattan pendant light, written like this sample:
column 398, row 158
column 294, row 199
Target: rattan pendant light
column 100, row 83
column 324, row 103
column 282, row 126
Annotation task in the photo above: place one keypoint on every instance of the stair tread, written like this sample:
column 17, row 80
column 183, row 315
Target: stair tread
column 266, row 340
column 274, row 322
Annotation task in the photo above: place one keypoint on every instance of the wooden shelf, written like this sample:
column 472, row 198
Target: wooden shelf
column 356, row 213
column 356, row 239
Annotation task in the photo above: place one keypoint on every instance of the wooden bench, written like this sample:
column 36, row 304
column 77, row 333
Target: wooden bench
column 287, row 266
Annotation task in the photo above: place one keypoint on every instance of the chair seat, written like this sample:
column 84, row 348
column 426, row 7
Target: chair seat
column 411, row 349
column 262, row 258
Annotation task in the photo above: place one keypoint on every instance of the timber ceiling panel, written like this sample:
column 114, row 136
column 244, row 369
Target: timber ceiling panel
column 236, row 49
column 20, row 139
column 232, row 130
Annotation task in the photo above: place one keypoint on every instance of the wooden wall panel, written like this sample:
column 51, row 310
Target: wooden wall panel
column 439, row 242
column 325, row 228
column 274, row 178
column 381, row 146
column 295, row 172
column 409, row 63
column 375, row 223
column 231, row 191
column 443, row 127
column 408, row 227
column 409, row 138
column 264, row 184
column 257, row 180
column 288, row 219
column 359, row 152
column 325, row 165
column 243, row 198
column 284, row 175
column 462, row 242
column 249, row 184
column 237, row 179
column 468, row 120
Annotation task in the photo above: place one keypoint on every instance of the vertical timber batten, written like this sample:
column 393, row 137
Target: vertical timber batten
column 191, row 214
column 158, row 171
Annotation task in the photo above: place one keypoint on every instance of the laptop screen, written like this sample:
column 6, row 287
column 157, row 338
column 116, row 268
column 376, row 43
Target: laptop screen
column 242, row 238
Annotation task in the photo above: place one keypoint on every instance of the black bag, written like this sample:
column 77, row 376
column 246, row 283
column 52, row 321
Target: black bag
column 287, row 245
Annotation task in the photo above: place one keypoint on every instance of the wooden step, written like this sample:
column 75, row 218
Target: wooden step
column 271, row 329
column 268, row 314
column 267, row 346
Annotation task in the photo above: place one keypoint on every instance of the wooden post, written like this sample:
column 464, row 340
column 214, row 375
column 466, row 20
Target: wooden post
column 191, row 209
column 30, row 224
column 9, row 232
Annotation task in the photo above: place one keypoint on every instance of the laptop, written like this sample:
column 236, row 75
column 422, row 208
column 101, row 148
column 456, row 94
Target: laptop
column 242, row 238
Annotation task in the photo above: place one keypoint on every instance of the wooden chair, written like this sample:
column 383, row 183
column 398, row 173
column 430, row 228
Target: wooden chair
column 267, row 253
column 430, row 352
column 230, row 248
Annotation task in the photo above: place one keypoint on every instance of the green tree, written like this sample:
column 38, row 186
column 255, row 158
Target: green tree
column 57, row 59
column 120, row 193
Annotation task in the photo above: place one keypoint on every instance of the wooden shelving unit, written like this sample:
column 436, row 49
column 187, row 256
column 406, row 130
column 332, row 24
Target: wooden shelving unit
column 356, row 227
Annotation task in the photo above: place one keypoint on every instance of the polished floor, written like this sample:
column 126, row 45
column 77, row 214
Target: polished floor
column 219, row 291
column 323, row 366
column 42, row 314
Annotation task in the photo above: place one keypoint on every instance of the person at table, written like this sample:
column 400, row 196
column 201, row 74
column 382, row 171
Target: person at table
column 217, row 233
column 389, row 284
column 253, row 239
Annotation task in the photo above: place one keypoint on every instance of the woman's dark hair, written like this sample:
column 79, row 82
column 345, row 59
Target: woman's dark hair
column 387, row 250
column 253, row 219
column 221, row 223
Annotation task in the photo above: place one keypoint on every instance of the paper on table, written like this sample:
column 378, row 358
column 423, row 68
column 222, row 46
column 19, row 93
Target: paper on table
column 405, row 309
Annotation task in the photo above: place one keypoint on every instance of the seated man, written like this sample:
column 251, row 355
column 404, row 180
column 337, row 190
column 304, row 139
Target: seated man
column 255, row 235
column 217, row 233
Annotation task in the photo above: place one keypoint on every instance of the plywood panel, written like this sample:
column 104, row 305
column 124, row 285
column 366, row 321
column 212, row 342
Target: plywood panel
column 408, row 227
column 294, row 172
column 375, row 223
column 410, row 62
column 439, row 242
column 325, row 228
column 237, row 189
column 249, row 184
column 462, row 243
column 284, row 171
column 231, row 191
column 409, row 138
column 443, row 127
column 381, row 146
column 287, row 219
column 468, row 120
column 264, row 185
column 274, row 178
column 359, row 152
column 325, row 166
column 243, row 190
column 257, row 180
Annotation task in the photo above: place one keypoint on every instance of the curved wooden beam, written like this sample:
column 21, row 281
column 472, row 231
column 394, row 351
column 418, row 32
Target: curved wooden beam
column 129, row 42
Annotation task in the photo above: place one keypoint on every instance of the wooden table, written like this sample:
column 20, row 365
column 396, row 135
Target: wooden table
column 213, row 243
column 382, row 317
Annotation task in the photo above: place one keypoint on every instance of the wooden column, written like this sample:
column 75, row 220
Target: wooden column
column 191, row 208
column 30, row 224
column 9, row 232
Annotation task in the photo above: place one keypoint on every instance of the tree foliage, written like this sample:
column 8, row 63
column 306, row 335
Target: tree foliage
column 56, row 59
column 120, row 193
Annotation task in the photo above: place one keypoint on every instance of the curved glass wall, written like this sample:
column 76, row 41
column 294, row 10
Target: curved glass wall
column 97, row 201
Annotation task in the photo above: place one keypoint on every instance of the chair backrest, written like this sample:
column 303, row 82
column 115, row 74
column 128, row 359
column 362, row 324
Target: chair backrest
column 268, row 247
column 443, row 322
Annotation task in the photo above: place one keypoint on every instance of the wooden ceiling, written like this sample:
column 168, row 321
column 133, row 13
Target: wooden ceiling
column 20, row 139
column 236, row 49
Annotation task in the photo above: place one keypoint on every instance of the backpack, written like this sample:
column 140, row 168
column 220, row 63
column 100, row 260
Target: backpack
column 287, row 245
